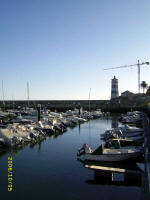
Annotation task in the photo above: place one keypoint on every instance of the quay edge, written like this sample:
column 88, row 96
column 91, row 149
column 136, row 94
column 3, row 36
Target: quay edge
column 115, row 105
column 146, row 125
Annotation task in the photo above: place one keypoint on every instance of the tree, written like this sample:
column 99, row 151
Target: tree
column 144, row 85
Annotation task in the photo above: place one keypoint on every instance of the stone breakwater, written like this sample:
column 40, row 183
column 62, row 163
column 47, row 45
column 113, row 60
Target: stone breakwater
column 115, row 105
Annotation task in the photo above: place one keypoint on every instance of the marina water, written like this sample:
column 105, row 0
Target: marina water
column 50, row 169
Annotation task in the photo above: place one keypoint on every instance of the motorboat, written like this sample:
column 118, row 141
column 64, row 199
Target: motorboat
column 111, row 154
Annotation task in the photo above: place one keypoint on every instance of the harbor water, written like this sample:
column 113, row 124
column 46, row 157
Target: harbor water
column 50, row 169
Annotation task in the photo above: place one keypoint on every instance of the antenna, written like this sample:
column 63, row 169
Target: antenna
column 3, row 95
column 2, row 91
column 13, row 101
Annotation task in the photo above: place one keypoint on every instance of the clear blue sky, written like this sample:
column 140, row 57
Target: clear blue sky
column 62, row 46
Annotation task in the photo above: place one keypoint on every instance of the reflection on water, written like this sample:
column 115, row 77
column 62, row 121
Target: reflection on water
column 49, row 169
column 114, row 179
column 114, row 122
column 132, row 177
column 79, row 128
column 90, row 137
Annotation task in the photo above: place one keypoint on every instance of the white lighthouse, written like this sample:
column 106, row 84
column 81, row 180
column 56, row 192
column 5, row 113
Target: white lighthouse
column 114, row 88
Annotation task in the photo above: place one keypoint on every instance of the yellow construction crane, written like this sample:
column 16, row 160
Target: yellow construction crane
column 138, row 67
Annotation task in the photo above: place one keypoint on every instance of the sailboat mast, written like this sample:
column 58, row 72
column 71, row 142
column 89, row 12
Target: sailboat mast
column 89, row 100
column 28, row 97
column 3, row 95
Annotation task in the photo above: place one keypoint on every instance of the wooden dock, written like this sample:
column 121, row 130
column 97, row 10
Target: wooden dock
column 113, row 169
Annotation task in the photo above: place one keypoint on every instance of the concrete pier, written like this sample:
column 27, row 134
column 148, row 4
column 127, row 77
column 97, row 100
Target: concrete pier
column 146, row 125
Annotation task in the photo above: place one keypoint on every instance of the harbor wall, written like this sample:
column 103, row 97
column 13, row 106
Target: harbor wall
column 148, row 109
column 115, row 105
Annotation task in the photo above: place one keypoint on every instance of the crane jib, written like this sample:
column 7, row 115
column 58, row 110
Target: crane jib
column 138, row 65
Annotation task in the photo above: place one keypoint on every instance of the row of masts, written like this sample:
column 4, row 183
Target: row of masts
column 3, row 94
column 28, row 95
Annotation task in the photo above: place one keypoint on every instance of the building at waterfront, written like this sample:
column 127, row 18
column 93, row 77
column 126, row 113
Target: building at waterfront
column 148, row 91
column 127, row 93
column 114, row 88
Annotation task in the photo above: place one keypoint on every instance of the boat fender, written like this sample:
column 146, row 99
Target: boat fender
column 101, row 148
column 117, row 145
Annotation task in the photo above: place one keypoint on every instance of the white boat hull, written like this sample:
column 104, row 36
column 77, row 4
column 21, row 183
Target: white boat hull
column 133, row 134
column 111, row 157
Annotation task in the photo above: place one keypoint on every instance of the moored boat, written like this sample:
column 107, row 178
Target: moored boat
column 112, row 154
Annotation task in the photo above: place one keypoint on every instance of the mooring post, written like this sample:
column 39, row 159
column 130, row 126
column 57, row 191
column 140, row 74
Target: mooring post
column 39, row 112
column 79, row 107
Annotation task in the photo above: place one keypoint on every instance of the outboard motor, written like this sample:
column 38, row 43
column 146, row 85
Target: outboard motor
column 85, row 149
column 32, row 136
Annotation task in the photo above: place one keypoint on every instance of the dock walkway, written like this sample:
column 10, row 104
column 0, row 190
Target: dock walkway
column 146, row 125
column 112, row 169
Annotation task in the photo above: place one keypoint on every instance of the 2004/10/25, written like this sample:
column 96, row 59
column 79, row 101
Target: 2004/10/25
column 10, row 179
